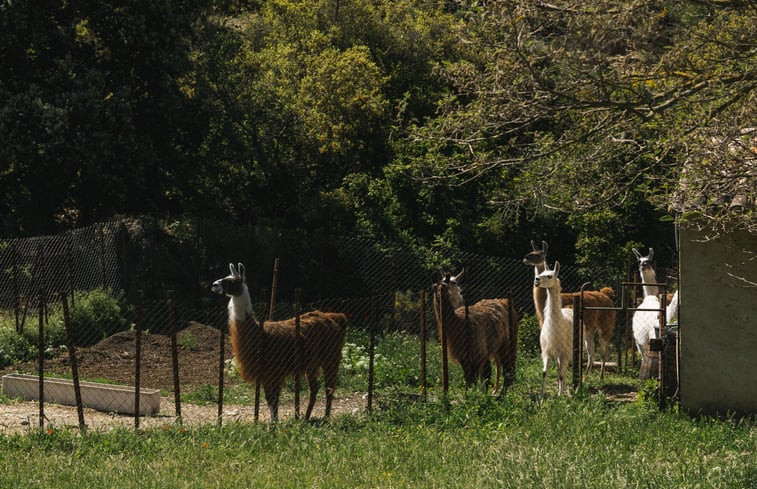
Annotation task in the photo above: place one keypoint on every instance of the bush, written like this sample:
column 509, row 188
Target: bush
column 14, row 348
column 97, row 314
column 528, row 336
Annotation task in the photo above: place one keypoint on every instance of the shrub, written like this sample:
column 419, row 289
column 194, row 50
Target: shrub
column 97, row 314
column 14, row 348
column 528, row 336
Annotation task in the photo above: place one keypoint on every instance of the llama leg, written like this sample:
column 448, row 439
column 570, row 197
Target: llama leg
column 545, row 361
column 272, row 391
column 469, row 372
column 312, row 378
column 330, row 375
column 603, row 344
column 589, row 345
column 498, row 373
column 485, row 372
column 558, row 361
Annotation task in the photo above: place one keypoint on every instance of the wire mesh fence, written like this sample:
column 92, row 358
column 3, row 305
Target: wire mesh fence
column 142, row 315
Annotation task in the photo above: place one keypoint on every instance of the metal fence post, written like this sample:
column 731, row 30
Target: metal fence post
column 41, row 357
column 137, row 356
column 72, row 359
column 16, row 299
column 173, row 327
column 577, row 360
column 300, row 353
column 371, row 352
column 221, row 364
column 422, row 340
column 445, row 362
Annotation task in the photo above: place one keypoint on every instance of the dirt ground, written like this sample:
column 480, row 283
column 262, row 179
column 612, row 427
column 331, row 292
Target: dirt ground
column 113, row 360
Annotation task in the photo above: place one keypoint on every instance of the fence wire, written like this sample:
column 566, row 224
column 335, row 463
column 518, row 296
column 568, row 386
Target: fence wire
column 129, row 286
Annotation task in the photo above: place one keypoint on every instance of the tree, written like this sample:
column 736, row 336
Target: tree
column 90, row 107
column 579, row 107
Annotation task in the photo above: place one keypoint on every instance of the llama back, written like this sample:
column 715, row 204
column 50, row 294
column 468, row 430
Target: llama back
column 503, row 336
column 495, row 319
column 608, row 291
column 645, row 322
column 323, row 336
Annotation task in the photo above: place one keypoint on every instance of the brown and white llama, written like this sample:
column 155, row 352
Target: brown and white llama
column 268, row 353
column 595, row 321
column 487, row 331
column 455, row 294
column 556, row 335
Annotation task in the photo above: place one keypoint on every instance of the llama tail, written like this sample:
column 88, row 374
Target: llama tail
column 609, row 292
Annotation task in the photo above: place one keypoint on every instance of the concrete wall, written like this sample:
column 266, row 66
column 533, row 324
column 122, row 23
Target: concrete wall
column 718, row 318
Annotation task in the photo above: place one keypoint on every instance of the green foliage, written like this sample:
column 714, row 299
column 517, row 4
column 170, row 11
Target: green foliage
column 467, row 125
column 14, row 348
column 97, row 314
column 528, row 336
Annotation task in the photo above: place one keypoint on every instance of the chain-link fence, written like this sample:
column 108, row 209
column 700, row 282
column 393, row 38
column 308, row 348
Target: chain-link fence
column 124, row 304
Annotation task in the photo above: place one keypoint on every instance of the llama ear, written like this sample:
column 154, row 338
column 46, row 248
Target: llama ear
column 232, row 270
column 544, row 247
column 457, row 277
column 241, row 270
column 650, row 255
column 533, row 245
column 557, row 268
column 636, row 252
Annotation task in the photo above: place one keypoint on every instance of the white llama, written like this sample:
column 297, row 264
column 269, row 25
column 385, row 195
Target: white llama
column 598, row 318
column 556, row 336
column 671, row 312
column 646, row 319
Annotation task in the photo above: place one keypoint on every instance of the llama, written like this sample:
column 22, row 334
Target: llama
column 671, row 311
column 597, row 321
column 269, row 353
column 488, row 331
column 646, row 319
column 455, row 294
column 556, row 336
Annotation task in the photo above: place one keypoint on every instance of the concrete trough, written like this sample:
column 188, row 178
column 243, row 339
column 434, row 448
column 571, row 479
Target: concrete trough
column 103, row 397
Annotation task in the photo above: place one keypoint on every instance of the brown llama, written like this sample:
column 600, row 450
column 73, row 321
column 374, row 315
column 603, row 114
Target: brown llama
column 269, row 353
column 595, row 321
column 489, row 331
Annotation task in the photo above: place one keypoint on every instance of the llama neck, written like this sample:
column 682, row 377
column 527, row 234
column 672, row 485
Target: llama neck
column 553, row 303
column 448, row 309
column 240, row 307
column 649, row 277
column 540, row 294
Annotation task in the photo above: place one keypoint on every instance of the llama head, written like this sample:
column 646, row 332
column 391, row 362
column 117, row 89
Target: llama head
column 537, row 257
column 233, row 284
column 645, row 262
column 453, row 288
column 548, row 278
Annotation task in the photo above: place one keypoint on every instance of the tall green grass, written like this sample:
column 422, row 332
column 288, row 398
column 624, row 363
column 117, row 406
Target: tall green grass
column 471, row 441
column 589, row 439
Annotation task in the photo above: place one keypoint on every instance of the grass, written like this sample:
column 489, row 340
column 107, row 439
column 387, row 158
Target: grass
column 475, row 441
column 469, row 439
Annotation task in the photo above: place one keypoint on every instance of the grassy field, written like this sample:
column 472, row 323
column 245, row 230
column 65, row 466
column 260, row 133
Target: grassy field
column 587, row 440
column 594, row 438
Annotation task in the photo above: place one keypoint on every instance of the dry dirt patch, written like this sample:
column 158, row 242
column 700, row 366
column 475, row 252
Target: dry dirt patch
column 113, row 359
